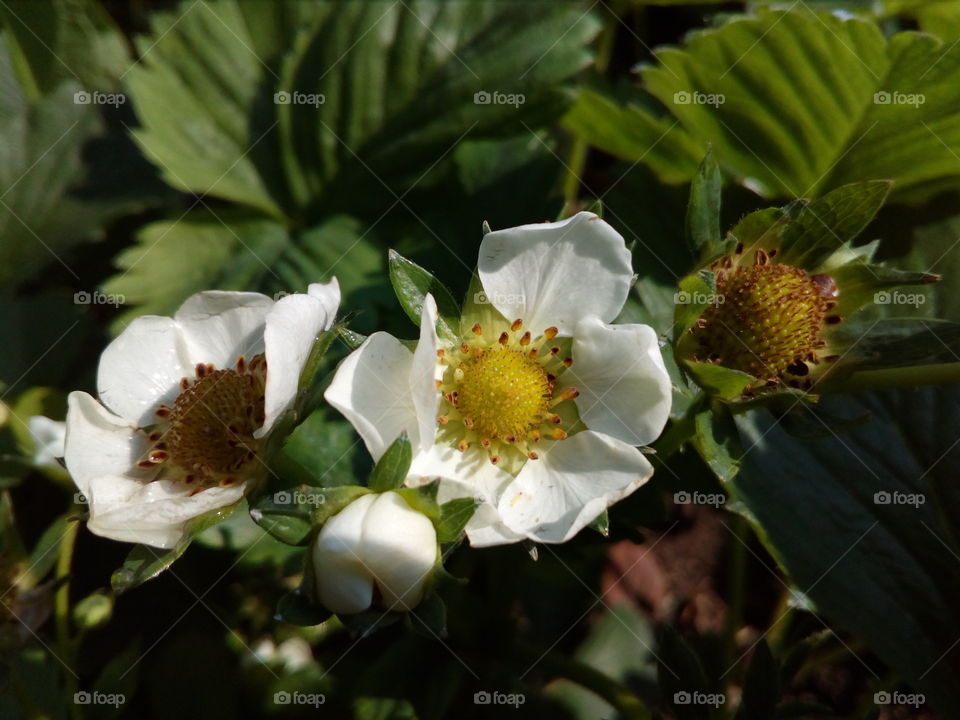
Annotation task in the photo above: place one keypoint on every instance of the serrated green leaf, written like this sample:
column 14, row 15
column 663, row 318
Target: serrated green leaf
column 391, row 470
column 411, row 283
column 838, row 103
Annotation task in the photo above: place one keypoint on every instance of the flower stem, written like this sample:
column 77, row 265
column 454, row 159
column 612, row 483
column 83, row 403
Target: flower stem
column 61, row 607
column 892, row 378
column 624, row 701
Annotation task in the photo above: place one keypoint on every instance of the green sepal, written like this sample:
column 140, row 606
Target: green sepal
column 423, row 499
column 720, row 381
column 411, row 284
column 454, row 516
column 145, row 563
column 391, row 470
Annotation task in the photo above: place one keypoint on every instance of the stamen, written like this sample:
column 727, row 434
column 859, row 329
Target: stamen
column 517, row 324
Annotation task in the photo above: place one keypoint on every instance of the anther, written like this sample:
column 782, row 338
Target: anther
column 517, row 324
column 525, row 340
column 550, row 333
column 477, row 330
column 504, row 339
column 559, row 434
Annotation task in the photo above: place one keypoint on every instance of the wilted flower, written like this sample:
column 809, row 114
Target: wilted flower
column 188, row 403
column 377, row 542
column 537, row 407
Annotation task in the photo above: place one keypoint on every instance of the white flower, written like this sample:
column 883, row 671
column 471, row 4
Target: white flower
column 376, row 541
column 48, row 439
column 541, row 402
column 187, row 404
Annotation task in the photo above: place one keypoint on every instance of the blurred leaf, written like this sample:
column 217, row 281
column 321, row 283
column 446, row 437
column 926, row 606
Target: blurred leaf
column 793, row 103
column 93, row 611
column 391, row 470
column 411, row 283
column 55, row 40
column 430, row 617
column 298, row 609
column 275, row 132
column 876, row 554
column 326, row 453
column 681, row 676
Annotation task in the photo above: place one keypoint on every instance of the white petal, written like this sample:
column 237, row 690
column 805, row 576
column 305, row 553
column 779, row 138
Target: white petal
column 292, row 326
column 219, row 325
column 623, row 383
column 143, row 368
column 152, row 513
column 98, row 443
column 400, row 549
column 328, row 294
column 372, row 390
column 554, row 497
column 467, row 474
column 49, row 437
column 424, row 373
column 343, row 582
column 554, row 274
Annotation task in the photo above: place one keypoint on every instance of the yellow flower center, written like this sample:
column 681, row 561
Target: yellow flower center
column 206, row 438
column 504, row 392
column 500, row 391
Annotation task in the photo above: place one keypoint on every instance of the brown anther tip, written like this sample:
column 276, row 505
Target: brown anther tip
column 160, row 446
column 464, row 348
column 476, row 329
column 516, row 325
column 504, row 339
column 533, row 354
column 184, row 383
column 441, row 352
column 739, row 250
column 567, row 362
column 462, row 445
column 486, row 442
column 443, row 419
column 241, row 364
column 144, row 464
column 551, row 377
column 525, row 340
column 154, row 436
column 494, row 459
column 570, row 393
column 535, row 436
column 532, row 455
column 559, row 434
column 556, row 419
column 833, row 319
column 550, row 333
column 555, row 350
column 468, row 421
column 162, row 411
column 511, row 438
column 201, row 370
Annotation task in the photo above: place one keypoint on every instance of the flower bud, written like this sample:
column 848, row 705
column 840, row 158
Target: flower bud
column 377, row 540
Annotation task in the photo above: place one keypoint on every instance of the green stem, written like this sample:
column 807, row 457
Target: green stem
column 736, row 575
column 893, row 378
column 623, row 700
column 61, row 605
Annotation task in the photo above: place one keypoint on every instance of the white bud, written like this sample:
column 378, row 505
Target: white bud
column 377, row 540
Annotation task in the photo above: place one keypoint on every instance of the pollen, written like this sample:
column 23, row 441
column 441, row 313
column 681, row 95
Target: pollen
column 206, row 436
column 769, row 322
